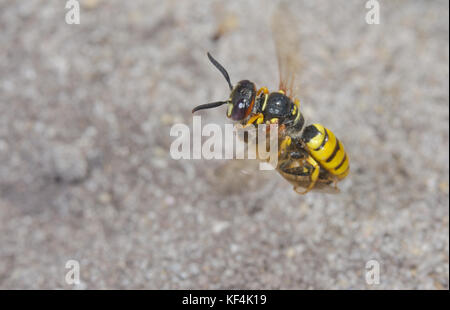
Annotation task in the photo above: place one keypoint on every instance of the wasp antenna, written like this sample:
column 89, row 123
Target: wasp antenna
column 221, row 69
column 209, row 105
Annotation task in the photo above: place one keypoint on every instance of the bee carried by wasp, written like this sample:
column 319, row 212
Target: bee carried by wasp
column 310, row 157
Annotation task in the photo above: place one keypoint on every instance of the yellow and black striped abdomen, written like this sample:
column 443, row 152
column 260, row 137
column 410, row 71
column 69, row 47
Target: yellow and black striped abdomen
column 325, row 148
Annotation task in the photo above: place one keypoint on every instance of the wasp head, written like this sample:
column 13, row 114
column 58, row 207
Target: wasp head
column 241, row 101
column 242, row 97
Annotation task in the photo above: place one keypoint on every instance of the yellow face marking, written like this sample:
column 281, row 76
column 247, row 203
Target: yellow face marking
column 274, row 120
column 230, row 108
column 281, row 91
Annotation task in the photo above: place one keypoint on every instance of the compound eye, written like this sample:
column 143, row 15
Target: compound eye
column 239, row 109
column 242, row 99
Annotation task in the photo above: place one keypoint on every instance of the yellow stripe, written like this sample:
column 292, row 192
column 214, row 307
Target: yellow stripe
column 344, row 174
column 316, row 141
column 341, row 168
column 337, row 159
column 323, row 154
column 326, row 152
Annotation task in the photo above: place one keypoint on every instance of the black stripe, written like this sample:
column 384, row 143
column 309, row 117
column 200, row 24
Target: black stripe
column 342, row 162
column 309, row 133
column 324, row 140
column 346, row 170
column 336, row 149
column 300, row 122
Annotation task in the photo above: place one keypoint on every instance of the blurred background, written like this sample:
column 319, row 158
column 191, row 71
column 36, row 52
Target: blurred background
column 86, row 174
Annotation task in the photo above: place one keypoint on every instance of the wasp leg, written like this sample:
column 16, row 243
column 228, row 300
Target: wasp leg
column 274, row 120
column 265, row 91
column 284, row 164
column 284, row 145
column 262, row 90
column 258, row 117
column 335, row 181
column 294, row 166
column 314, row 175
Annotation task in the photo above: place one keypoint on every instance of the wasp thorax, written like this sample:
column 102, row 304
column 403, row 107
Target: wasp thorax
column 278, row 106
column 242, row 99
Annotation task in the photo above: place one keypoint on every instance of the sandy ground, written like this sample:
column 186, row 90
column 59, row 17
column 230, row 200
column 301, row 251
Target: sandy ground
column 86, row 174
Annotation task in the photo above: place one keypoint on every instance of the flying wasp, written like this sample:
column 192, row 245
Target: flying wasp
column 310, row 157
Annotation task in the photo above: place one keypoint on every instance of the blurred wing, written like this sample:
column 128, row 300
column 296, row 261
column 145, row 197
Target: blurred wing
column 287, row 45
column 239, row 177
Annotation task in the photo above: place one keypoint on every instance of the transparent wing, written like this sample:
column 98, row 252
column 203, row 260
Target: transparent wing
column 239, row 177
column 287, row 45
